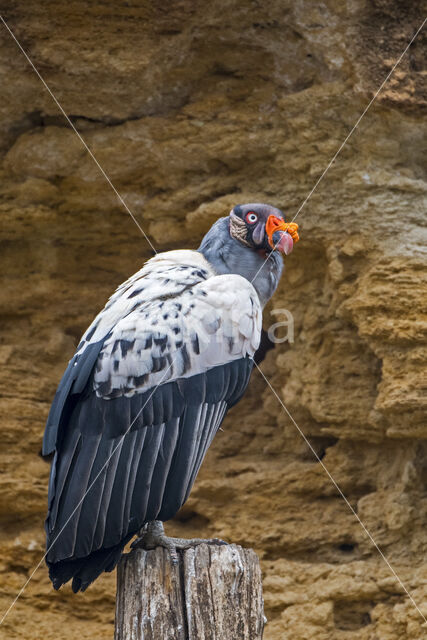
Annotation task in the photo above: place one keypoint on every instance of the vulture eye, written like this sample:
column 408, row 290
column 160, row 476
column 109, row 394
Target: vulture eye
column 251, row 217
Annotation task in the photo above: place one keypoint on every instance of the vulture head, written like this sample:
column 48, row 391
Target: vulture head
column 250, row 242
column 261, row 227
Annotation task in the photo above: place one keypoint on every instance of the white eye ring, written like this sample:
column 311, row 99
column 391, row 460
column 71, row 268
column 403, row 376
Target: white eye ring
column 251, row 217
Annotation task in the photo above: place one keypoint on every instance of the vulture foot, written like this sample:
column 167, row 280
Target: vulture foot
column 153, row 535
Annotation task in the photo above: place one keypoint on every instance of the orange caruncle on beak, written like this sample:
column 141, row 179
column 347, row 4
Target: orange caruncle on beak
column 284, row 243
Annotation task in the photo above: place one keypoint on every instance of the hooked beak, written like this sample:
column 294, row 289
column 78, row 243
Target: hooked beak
column 283, row 242
column 278, row 235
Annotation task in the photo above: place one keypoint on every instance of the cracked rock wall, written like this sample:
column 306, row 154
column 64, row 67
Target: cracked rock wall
column 191, row 108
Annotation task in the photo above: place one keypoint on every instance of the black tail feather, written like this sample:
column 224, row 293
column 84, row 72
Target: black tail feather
column 84, row 571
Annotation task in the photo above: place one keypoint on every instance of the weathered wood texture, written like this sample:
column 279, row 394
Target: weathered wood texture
column 215, row 593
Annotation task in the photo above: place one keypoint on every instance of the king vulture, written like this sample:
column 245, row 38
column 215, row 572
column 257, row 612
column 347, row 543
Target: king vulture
column 148, row 388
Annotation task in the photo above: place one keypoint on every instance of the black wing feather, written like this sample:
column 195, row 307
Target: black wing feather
column 159, row 439
column 208, row 434
column 180, row 470
column 146, row 465
column 99, row 525
column 59, row 472
column 133, row 465
column 162, row 468
column 72, row 383
column 114, row 519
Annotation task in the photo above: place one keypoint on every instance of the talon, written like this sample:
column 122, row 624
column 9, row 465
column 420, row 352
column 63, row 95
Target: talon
column 152, row 535
column 217, row 541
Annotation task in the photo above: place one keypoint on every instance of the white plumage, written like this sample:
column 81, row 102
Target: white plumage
column 174, row 318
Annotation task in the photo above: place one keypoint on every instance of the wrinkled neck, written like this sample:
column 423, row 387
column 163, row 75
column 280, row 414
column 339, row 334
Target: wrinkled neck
column 228, row 255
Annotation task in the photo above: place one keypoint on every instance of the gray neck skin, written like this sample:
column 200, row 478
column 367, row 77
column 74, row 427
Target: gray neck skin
column 228, row 255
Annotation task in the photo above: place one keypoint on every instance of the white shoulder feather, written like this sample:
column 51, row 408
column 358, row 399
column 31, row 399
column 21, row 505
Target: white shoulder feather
column 180, row 333
column 167, row 274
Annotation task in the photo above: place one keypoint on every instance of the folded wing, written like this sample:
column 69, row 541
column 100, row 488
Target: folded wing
column 130, row 439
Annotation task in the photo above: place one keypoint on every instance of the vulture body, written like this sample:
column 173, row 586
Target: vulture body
column 148, row 387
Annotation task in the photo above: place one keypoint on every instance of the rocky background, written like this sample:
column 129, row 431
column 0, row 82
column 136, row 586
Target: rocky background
column 191, row 107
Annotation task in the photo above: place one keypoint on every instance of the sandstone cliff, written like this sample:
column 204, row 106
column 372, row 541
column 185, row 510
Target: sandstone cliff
column 192, row 107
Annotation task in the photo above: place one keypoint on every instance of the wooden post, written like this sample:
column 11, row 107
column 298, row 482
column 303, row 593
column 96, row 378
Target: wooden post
column 214, row 593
